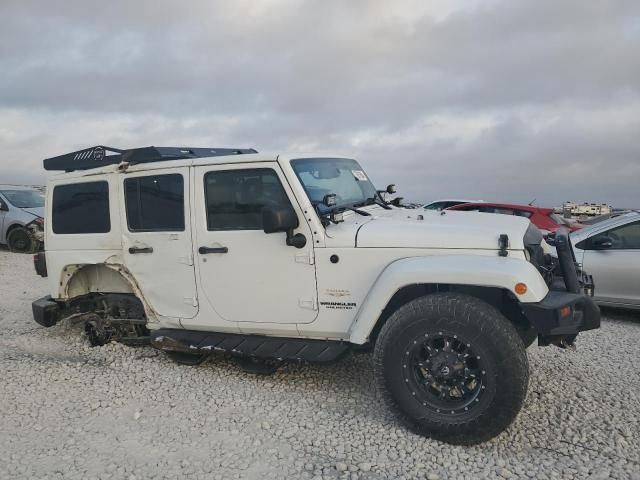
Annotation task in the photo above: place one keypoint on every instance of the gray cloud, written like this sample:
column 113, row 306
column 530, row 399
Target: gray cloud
column 492, row 99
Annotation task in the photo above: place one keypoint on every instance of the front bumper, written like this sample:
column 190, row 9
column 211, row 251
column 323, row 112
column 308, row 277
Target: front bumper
column 561, row 315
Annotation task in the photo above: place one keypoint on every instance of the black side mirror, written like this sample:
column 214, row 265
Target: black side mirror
column 601, row 242
column 283, row 219
column 3, row 207
column 391, row 188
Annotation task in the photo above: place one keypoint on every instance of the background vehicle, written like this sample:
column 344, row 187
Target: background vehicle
column 610, row 251
column 442, row 204
column 543, row 218
column 296, row 257
column 21, row 218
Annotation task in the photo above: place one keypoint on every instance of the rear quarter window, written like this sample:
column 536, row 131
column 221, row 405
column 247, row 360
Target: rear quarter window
column 81, row 208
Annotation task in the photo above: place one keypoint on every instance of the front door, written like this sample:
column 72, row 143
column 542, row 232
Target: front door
column 157, row 239
column 616, row 269
column 245, row 274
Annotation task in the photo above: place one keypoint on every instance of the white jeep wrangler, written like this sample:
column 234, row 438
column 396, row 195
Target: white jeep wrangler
column 274, row 258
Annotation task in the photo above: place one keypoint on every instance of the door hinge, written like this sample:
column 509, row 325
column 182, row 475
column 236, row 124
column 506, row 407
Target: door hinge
column 308, row 303
column 191, row 301
column 187, row 260
column 306, row 257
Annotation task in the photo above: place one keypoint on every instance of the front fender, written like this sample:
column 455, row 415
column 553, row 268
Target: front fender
column 484, row 271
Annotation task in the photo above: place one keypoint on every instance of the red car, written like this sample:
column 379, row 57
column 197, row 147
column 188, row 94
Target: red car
column 543, row 218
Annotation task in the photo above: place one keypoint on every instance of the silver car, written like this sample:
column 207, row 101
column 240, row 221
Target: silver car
column 610, row 251
column 21, row 218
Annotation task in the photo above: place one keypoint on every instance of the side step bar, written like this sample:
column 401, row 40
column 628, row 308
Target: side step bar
column 291, row 349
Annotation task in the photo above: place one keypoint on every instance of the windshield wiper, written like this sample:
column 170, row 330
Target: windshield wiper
column 360, row 212
column 339, row 210
column 373, row 201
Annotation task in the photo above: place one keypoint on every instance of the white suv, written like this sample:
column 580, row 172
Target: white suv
column 275, row 258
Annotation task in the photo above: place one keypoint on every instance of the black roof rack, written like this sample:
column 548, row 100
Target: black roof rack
column 100, row 156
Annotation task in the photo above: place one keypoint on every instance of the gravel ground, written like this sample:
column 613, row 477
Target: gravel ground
column 113, row 412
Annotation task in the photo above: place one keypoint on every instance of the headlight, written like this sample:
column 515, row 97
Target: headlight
column 38, row 223
column 527, row 255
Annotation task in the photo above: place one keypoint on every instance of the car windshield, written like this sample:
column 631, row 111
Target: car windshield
column 343, row 177
column 24, row 198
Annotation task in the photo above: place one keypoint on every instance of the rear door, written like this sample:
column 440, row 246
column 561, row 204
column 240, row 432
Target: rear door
column 157, row 239
column 616, row 270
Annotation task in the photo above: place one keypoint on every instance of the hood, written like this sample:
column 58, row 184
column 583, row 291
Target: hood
column 453, row 229
column 37, row 211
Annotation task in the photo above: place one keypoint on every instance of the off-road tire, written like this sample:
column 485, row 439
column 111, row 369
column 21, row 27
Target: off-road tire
column 492, row 338
column 184, row 358
column 528, row 336
column 20, row 240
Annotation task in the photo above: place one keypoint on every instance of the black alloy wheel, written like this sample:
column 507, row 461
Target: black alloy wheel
column 445, row 373
column 452, row 368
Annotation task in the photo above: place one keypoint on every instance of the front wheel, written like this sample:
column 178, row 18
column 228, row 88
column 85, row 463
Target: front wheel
column 20, row 240
column 452, row 367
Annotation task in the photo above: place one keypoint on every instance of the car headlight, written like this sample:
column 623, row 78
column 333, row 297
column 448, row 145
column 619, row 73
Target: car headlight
column 38, row 222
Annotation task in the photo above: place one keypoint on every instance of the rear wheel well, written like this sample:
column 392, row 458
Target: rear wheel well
column 500, row 298
column 79, row 280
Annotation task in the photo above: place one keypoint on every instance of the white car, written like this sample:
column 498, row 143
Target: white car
column 21, row 218
column 610, row 251
column 274, row 257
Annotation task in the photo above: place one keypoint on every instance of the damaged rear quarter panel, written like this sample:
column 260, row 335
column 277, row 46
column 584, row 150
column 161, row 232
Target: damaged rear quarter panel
column 93, row 271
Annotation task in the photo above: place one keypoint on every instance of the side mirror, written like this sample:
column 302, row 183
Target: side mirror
column 601, row 242
column 391, row 188
column 279, row 219
column 3, row 207
column 283, row 219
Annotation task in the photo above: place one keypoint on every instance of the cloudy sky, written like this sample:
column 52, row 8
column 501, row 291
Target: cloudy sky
column 499, row 100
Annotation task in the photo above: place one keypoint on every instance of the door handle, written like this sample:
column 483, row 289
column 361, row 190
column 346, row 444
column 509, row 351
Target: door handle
column 204, row 250
column 134, row 250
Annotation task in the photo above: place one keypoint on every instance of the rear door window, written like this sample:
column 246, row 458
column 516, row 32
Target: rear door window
column 155, row 203
column 81, row 208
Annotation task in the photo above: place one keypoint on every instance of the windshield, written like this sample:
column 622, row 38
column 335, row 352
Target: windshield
column 343, row 177
column 24, row 198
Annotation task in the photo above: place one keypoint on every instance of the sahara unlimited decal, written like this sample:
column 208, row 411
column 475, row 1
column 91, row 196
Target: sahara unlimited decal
column 339, row 305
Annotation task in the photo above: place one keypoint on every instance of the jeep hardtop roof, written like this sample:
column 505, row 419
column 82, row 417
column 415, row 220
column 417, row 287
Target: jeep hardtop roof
column 100, row 156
